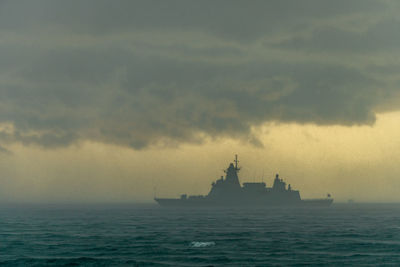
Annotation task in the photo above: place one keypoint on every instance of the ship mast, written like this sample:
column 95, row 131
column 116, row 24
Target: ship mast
column 236, row 162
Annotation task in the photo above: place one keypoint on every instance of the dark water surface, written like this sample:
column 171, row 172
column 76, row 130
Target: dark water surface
column 130, row 235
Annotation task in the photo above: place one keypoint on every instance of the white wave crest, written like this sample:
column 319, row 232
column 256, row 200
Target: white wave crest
column 196, row 244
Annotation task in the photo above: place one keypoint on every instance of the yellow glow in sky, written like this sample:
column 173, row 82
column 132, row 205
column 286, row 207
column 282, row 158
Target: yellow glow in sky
column 360, row 162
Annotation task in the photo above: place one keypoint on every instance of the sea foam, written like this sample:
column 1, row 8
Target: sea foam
column 197, row 244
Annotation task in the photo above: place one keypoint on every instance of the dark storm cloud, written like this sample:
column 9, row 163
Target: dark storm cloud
column 137, row 73
column 382, row 36
column 235, row 19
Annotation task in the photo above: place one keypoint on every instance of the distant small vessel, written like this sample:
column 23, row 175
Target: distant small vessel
column 228, row 192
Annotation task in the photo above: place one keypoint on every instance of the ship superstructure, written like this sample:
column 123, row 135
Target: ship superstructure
column 227, row 191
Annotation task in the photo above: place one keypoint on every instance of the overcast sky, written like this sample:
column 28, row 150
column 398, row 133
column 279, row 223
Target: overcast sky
column 113, row 100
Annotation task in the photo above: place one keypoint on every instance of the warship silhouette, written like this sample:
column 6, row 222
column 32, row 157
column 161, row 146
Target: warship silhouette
column 228, row 192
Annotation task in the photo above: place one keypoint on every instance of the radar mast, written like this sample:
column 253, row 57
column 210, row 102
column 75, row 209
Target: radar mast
column 236, row 163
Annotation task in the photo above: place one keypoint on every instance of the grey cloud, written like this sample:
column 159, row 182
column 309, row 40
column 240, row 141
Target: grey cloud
column 231, row 19
column 381, row 36
column 135, row 85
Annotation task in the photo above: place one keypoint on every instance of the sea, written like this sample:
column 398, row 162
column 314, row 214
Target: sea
column 148, row 235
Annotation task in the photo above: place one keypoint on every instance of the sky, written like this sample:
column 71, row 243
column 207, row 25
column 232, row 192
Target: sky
column 120, row 101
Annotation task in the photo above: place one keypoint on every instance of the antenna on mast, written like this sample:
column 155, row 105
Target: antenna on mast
column 236, row 162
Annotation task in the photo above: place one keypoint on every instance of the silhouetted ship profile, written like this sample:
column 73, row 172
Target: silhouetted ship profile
column 229, row 192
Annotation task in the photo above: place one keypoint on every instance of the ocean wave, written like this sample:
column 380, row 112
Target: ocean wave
column 197, row 244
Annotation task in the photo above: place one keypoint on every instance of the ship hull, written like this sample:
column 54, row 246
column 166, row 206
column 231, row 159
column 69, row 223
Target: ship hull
column 176, row 202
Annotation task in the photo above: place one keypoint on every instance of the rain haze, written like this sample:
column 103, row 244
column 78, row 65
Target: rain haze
column 117, row 101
